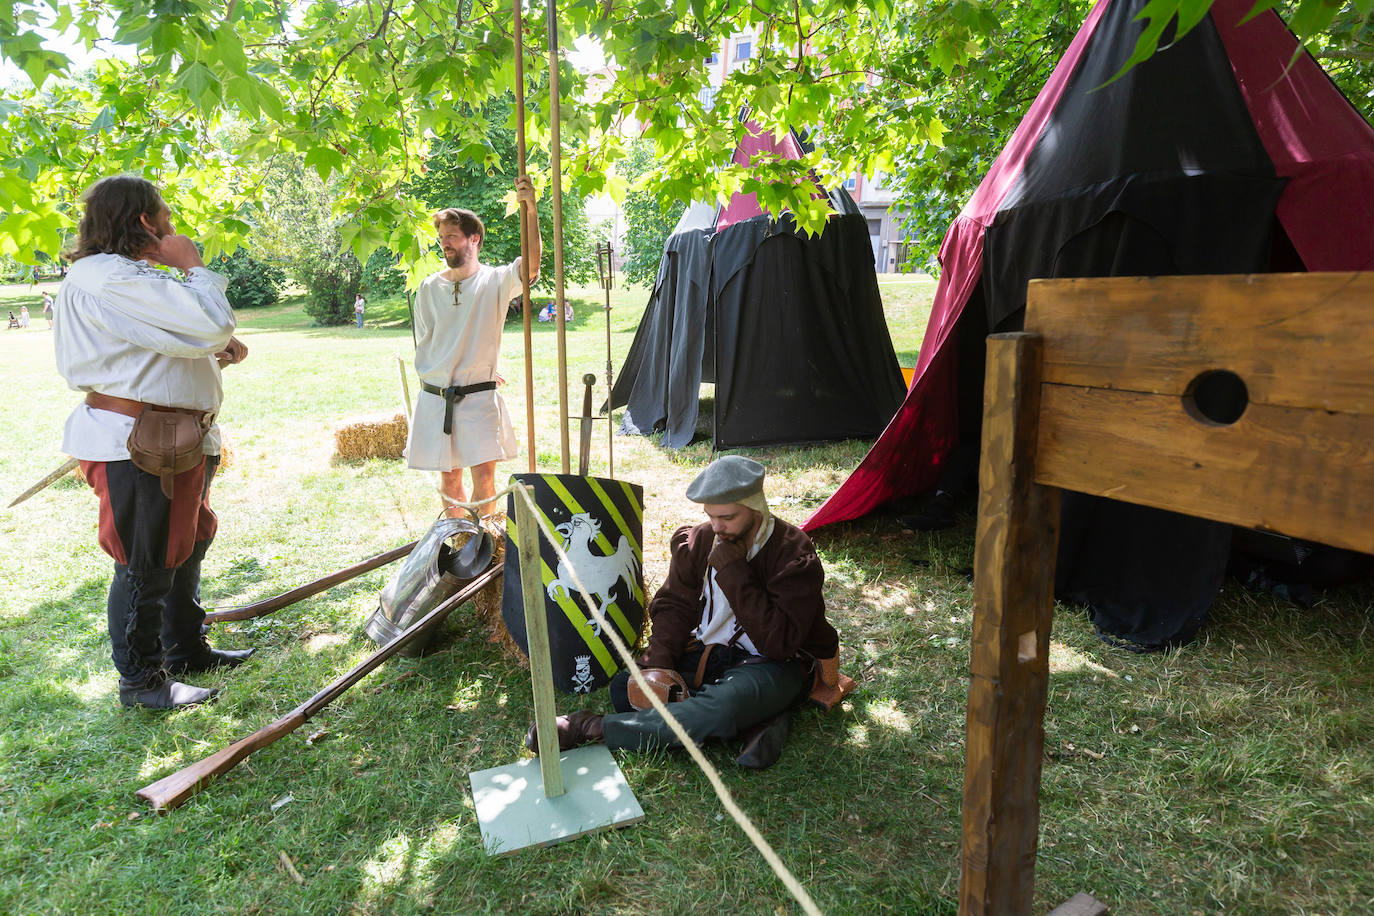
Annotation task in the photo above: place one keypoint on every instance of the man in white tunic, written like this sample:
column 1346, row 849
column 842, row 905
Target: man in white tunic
column 460, row 419
column 136, row 338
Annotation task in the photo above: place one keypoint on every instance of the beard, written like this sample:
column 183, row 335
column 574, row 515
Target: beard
column 458, row 259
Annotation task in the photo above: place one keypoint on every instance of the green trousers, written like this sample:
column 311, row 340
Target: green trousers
column 745, row 695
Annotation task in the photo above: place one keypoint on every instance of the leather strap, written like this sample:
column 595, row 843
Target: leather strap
column 701, row 666
column 453, row 395
column 131, row 408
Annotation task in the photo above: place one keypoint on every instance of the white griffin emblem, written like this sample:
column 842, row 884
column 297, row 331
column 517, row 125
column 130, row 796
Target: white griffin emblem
column 598, row 573
column 582, row 677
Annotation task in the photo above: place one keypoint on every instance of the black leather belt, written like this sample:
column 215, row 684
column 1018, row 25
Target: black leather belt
column 453, row 395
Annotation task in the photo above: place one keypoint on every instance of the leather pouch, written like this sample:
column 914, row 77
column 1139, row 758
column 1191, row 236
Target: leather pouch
column 166, row 443
column 666, row 684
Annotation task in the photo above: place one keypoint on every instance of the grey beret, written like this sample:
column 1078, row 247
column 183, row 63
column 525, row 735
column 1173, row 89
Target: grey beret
column 728, row 479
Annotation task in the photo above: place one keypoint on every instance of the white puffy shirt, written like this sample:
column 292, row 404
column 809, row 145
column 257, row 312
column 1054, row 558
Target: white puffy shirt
column 124, row 328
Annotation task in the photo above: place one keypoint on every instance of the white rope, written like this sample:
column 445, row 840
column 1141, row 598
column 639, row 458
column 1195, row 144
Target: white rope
column 789, row 881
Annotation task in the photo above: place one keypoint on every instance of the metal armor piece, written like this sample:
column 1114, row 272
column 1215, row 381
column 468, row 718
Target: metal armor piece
column 431, row 573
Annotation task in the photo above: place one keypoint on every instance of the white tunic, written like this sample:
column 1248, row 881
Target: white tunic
column 127, row 329
column 459, row 343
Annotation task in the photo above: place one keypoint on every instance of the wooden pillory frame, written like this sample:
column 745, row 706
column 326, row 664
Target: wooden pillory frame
column 1100, row 395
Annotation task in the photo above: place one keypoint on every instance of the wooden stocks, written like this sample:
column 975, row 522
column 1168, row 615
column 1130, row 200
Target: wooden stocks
column 285, row 599
column 518, row 31
column 173, row 790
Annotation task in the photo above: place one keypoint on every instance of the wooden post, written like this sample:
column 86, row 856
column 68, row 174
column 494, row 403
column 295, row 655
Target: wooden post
column 405, row 385
column 518, row 32
column 556, row 167
column 537, row 635
column 1013, row 600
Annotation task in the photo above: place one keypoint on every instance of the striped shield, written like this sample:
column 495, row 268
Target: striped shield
column 599, row 524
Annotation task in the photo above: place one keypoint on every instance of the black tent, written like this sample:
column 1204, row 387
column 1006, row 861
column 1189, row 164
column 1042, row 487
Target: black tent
column 1223, row 153
column 790, row 329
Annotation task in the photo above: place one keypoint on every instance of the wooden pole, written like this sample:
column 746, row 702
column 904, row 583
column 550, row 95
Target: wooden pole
column 171, row 791
column 556, row 167
column 301, row 592
column 1013, row 601
column 52, row 476
column 537, row 636
column 518, row 31
column 405, row 385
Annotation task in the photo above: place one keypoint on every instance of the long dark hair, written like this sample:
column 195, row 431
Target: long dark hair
column 111, row 223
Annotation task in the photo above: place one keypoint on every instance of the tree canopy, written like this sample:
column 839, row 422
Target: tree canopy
column 360, row 90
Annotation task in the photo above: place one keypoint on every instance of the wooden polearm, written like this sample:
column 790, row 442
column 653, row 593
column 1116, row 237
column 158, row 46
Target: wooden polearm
column 48, row 479
column 518, row 30
column 171, row 791
column 301, row 592
column 556, row 167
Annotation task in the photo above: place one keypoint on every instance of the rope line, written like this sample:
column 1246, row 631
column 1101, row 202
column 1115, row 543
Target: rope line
column 722, row 792
column 794, row 887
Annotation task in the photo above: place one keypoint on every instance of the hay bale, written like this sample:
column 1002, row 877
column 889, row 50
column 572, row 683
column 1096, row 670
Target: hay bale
column 371, row 438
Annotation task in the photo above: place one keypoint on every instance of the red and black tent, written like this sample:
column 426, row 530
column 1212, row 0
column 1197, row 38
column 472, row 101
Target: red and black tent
column 1214, row 156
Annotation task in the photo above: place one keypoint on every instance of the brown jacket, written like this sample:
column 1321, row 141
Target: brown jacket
column 776, row 596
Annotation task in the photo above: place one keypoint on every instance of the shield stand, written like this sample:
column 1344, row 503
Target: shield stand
column 552, row 798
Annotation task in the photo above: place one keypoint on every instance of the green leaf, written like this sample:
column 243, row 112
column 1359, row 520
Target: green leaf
column 199, row 84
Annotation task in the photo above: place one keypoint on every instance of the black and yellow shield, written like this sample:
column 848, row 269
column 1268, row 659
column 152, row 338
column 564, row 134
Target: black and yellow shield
column 599, row 523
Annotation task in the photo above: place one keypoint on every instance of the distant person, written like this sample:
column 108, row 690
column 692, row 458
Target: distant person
column 546, row 313
column 23, row 316
column 359, row 306
column 47, row 307
column 460, row 420
column 144, row 345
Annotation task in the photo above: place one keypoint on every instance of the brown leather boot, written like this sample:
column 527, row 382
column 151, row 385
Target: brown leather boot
column 574, row 730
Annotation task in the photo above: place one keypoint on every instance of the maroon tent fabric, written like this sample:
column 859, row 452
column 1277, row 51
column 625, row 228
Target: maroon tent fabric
column 1315, row 139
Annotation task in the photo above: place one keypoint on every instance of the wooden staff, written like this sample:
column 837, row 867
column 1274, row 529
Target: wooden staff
column 556, row 166
column 171, row 791
column 51, row 477
column 286, row 599
column 518, row 28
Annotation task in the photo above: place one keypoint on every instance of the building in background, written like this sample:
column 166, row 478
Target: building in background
column 874, row 198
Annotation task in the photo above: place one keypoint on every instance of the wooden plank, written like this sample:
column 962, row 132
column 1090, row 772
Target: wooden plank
column 537, row 637
column 1080, row 904
column 1013, row 603
column 1307, row 474
column 515, row 813
column 1297, row 340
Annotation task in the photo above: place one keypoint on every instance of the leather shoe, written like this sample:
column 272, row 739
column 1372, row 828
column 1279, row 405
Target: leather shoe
column 211, row 659
column 763, row 742
column 574, row 730
column 164, row 693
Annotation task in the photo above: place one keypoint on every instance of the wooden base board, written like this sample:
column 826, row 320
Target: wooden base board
column 514, row 814
column 1080, row 904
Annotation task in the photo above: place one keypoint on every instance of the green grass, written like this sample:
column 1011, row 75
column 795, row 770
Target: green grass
column 1235, row 776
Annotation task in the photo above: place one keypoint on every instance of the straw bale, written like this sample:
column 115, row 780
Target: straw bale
column 371, row 438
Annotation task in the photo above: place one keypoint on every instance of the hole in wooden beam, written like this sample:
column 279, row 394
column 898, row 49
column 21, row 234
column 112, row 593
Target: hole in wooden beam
column 1026, row 647
column 1217, row 397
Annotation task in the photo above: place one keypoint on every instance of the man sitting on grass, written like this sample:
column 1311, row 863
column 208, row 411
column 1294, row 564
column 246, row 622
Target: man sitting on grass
column 739, row 629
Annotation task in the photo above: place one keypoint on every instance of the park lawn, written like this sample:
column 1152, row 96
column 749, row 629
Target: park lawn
column 1234, row 775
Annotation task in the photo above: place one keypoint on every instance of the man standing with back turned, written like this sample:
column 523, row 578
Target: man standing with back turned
column 460, row 421
column 146, row 348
